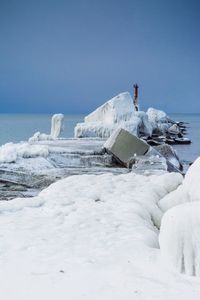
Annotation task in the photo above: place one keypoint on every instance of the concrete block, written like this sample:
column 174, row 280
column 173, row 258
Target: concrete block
column 124, row 145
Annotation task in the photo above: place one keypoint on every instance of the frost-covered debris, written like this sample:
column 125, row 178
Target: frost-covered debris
column 88, row 237
column 180, row 228
column 119, row 112
column 57, row 126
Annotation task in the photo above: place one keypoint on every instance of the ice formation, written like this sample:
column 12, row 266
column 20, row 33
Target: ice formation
column 170, row 154
column 188, row 190
column 180, row 238
column 57, row 125
column 56, row 129
column 119, row 112
column 10, row 152
column 180, row 228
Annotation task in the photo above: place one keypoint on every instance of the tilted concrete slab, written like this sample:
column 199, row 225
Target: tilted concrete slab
column 124, row 145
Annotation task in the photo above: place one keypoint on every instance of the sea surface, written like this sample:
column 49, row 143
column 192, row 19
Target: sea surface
column 19, row 127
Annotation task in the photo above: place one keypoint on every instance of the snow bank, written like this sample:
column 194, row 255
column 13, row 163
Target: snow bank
column 91, row 236
column 10, row 152
column 56, row 129
column 119, row 112
column 180, row 238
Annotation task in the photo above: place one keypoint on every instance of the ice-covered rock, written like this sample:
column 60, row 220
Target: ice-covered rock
column 156, row 116
column 180, row 238
column 158, row 120
column 56, row 129
column 170, row 154
column 174, row 129
column 117, row 112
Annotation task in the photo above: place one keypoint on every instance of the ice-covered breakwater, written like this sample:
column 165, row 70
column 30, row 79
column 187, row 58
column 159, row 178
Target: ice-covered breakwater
column 28, row 167
column 154, row 125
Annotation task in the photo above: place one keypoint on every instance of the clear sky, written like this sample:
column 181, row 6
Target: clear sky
column 71, row 56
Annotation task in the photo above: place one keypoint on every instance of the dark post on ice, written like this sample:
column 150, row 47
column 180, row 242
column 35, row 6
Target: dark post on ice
column 135, row 101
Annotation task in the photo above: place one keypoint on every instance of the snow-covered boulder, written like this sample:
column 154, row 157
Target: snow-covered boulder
column 56, row 129
column 117, row 112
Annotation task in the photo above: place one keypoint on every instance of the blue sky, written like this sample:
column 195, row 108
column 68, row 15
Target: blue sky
column 71, row 56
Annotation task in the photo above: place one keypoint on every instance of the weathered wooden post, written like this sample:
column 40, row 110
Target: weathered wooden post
column 135, row 101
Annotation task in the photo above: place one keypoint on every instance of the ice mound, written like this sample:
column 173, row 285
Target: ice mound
column 56, row 129
column 9, row 153
column 180, row 238
column 117, row 112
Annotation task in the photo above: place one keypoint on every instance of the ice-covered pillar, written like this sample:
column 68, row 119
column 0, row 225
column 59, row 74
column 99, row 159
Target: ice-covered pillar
column 135, row 101
column 57, row 125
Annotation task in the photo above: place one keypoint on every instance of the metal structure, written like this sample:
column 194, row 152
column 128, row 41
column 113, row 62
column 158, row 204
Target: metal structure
column 135, row 101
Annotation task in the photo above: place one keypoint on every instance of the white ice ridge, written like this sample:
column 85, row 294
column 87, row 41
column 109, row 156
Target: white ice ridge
column 119, row 112
column 10, row 152
column 57, row 125
column 180, row 228
column 91, row 235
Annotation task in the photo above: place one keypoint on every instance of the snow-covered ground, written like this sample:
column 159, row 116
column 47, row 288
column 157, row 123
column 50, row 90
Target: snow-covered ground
column 89, row 237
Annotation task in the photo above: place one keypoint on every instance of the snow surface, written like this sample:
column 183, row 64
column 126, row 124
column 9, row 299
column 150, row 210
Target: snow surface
column 89, row 237
column 119, row 112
